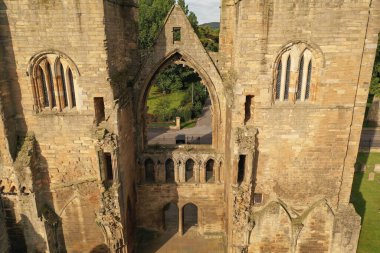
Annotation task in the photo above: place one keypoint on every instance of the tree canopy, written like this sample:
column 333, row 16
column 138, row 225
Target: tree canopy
column 151, row 16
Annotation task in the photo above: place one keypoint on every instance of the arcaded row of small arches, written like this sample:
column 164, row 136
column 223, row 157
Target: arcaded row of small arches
column 207, row 171
column 53, row 81
column 295, row 74
column 12, row 189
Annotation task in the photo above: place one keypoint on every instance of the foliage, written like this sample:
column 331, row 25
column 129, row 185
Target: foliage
column 375, row 83
column 163, row 111
column 151, row 16
column 169, row 80
column 198, row 94
column 174, row 78
column 178, row 92
column 365, row 197
column 209, row 37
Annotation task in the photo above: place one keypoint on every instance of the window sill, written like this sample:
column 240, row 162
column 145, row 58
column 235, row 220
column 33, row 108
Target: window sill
column 291, row 104
column 55, row 112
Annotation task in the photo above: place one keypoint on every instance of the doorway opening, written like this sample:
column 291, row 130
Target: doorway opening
column 190, row 217
column 171, row 218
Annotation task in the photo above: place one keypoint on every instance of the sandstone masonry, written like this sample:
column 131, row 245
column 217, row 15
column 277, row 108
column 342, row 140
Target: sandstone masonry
column 288, row 88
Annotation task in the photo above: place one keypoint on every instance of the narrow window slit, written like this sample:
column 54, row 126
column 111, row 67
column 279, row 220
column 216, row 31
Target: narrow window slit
column 71, row 82
column 241, row 169
column 278, row 81
column 51, row 82
column 248, row 104
column 40, row 74
column 108, row 166
column 308, row 82
column 99, row 110
column 287, row 80
column 300, row 79
column 63, row 86
column 176, row 34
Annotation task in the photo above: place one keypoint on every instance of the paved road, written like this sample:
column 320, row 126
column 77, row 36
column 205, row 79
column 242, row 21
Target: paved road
column 200, row 134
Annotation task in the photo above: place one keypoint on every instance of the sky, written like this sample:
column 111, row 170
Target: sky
column 206, row 10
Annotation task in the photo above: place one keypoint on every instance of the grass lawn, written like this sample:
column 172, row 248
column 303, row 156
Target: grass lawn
column 189, row 124
column 366, row 198
column 155, row 97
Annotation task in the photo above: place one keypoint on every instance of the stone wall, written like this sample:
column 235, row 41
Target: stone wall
column 305, row 150
column 66, row 175
column 299, row 155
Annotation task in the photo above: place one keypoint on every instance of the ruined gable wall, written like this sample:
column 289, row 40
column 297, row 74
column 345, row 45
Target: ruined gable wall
column 209, row 197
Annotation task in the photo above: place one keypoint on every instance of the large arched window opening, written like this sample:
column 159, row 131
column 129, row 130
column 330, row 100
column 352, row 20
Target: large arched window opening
column 212, row 84
column 296, row 73
column 53, row 81
column 178, row 107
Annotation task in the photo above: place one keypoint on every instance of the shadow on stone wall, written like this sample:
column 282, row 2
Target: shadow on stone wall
column 45, row 204
column 16, row 230
column 150, row 239
column 38, row 241
column 10, row 91
column 100, row 249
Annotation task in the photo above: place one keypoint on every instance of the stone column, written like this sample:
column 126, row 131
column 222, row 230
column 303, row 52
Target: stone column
column 156, row 175
column 197, row 168
column 160, row 175
column 180, row 220
column 217, row 169
column 202, row 168
column 181, row 172
column 176, row 172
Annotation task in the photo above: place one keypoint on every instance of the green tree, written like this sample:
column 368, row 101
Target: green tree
column 169, row 79
column 209, row 37
column 151, row 16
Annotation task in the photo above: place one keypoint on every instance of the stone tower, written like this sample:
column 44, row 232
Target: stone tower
column 65, row 71
column 288, row 89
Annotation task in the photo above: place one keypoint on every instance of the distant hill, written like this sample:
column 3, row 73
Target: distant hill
column 213, row 25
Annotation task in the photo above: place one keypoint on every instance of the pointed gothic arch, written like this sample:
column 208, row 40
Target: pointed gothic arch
column 179, row 57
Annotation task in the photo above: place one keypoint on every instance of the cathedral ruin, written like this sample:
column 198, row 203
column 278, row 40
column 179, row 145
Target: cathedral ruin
column 288, row 91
